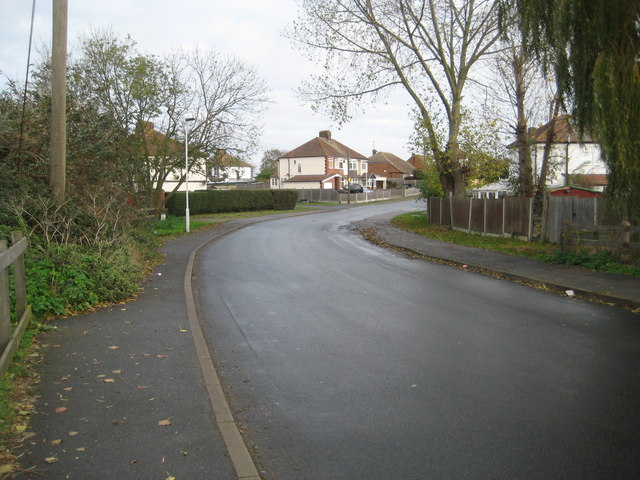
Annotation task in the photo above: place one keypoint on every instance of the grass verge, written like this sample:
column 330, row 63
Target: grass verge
column 603, row 261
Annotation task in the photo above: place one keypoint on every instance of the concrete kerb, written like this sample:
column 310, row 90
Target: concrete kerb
column 238, row 452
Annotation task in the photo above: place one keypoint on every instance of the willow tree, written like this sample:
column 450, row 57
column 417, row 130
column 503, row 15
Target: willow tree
column 427, row 47
column 594, row 46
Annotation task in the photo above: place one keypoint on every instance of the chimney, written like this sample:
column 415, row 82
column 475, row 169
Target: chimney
column 326, row 134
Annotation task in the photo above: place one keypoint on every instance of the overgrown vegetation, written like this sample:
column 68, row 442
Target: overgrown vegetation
column 603, row 261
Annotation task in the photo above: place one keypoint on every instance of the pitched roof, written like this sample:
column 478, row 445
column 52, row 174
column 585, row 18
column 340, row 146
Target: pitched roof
column 226, row 160
column 159, row 143
column 381, row 158
column 323, row 146
column 564, row 131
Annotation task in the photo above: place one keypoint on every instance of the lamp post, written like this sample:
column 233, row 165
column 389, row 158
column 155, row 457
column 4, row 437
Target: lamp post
column 186, row 171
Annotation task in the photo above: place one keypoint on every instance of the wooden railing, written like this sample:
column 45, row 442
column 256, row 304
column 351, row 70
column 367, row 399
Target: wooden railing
column 14, row 256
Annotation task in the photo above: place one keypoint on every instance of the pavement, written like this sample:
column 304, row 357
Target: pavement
column 130, row 391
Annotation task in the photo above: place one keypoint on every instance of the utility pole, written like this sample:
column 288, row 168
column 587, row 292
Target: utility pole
column 58, row 164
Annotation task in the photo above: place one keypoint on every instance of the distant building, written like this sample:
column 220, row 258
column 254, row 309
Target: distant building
column 322, row 162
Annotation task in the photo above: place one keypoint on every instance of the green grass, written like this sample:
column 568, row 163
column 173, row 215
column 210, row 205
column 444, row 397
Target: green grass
column 603, row 261
column 176, row 226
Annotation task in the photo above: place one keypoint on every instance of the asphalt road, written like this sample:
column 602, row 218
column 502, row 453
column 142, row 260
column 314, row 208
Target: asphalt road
column 346, row 361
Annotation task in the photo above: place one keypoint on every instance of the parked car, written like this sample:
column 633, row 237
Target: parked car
column 355, row 188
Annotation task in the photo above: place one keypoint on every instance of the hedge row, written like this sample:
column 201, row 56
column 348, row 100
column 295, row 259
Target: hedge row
column 222, row 201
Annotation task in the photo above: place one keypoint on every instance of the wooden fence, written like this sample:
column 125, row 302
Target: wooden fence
column 12, row 257
column 511, row 216
column 568, row 221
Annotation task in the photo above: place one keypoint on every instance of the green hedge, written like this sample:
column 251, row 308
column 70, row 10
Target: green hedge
column 223, row 201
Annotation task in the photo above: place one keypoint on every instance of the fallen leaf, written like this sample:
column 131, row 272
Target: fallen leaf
column 165, row 423
column 161, row 356
column 146, row 354
column 108, row 380
column 6, row 468
column 117, row 372
column 81, row 449
column 21, row 428
column 170, row 477
column 51, row 460
column 68, row 389
column 127, row 322
column 73, row 434
column 183, row 330
column 100, row 376
column 113, row 347
column 142, row 387
column 56, row 442
column 61, row 409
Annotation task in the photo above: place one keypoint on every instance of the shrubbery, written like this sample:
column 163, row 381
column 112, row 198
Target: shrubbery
column 79, row 256
column 223, row 201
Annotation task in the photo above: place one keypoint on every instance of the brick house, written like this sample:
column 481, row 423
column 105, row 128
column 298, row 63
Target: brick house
column 322, row 163
column 388, row 167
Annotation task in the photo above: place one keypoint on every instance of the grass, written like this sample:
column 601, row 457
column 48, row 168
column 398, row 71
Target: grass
column 601, row 261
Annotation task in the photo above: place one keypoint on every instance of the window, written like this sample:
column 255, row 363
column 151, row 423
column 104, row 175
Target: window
column 340, row 164
column 330, row 162
column 299, row 168
column 353, row 165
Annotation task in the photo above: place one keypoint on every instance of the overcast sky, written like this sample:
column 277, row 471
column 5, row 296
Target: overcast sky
column 248, row 29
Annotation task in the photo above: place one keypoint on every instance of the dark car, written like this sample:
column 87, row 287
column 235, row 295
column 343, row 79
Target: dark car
column 355, row 188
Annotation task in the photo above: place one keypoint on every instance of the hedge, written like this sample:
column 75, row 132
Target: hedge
column 222, row 201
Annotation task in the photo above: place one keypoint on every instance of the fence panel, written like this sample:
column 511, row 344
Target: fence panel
column 517, row 216
column 460, row 212
column 477, row 214
column 494, row 208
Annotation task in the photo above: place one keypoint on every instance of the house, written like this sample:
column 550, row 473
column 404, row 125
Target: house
column 322, row 163
column 572, row 160
column 163, row 151
column 387, row 167
column 417, row 161
column 227, row 169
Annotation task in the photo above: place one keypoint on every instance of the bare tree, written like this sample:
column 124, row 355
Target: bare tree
column 223, row 94
column 428, row 47
column 523, row 97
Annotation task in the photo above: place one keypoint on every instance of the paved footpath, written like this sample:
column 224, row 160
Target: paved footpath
column 123, row 393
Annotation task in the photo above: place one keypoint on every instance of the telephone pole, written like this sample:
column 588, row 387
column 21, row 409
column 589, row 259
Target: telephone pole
column 58, row 165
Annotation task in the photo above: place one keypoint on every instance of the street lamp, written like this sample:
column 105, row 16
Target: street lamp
column 186, row 171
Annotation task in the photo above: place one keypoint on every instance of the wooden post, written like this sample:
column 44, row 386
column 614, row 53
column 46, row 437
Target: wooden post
column 530, row 229
column 19, row 278
column 470, row 212
column 451, row 208
column 5, row 320
column 58, row 162
column 504, row 214
column 484, row 216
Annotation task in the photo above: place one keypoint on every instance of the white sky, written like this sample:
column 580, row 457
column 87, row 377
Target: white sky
column 248, row 29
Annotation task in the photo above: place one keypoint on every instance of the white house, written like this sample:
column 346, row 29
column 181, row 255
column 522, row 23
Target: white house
column 229, row 169
column 572, row 161
column 159, row 147
column 322, row 162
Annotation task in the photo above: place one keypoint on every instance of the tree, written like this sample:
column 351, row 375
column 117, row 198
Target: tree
column 268, row 164
column 223, row 94
column 428, row 47
column 593, row 48
column 520, row 95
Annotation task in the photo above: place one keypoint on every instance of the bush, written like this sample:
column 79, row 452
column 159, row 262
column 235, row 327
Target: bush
column 71, row 279
column 224, row 201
